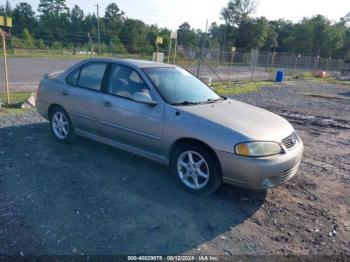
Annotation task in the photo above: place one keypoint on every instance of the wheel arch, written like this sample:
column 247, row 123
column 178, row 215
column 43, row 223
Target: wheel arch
column 52, row 106
column 70, row 136
column 182, row 141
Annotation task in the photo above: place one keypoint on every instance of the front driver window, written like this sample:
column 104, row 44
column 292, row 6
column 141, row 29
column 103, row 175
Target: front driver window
column 72, row 78
column 124, row 81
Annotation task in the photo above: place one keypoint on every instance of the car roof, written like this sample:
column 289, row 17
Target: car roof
column 132, row 62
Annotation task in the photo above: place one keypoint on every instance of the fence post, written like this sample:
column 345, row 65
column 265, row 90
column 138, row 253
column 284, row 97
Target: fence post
column 295, row 64
column 175, row 51
column 272, row 66
column 169, row 50
column 92, row 45
column 316, row 63
column 267, row 61
column 339, row 65
column 254, row 56
column 328, row 62
column 5, row 66
column 232, row 57
column 199, row 63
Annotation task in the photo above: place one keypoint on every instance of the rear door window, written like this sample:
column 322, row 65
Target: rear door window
column 91, row 76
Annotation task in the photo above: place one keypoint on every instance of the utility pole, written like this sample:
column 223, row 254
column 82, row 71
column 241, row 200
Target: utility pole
column 98, row 30
column 204, row 41
column 225, row 35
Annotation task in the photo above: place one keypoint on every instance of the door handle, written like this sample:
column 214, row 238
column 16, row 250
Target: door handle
column 107, row 104
column 65, row 93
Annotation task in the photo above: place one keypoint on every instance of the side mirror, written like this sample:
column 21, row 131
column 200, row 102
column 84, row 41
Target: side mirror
column 145, row 98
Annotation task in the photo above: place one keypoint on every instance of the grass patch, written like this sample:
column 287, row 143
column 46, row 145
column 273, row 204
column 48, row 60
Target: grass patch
column 303, row 76
column 308, row 76
column 334, row 81
column 16, row 100
column 231, row 88
column 68, row 55
column 328, row 80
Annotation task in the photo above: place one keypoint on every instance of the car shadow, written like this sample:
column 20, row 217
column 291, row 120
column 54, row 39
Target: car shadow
column 89, row 198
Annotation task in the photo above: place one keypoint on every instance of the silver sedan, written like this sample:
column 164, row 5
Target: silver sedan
column 164, row 113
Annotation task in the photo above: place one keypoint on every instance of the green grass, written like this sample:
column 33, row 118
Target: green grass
column 333, row 81
column 230, row 88
column 68, row 55
column 16, row 100
column 304, row 76
column 330, row 80
column 311, row 77
column 73, row 57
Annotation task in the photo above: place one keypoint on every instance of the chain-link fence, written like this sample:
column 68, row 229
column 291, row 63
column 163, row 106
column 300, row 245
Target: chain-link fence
column 27, row 66
column 252, row 65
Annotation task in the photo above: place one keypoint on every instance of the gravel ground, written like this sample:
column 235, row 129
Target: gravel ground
column 55, row 200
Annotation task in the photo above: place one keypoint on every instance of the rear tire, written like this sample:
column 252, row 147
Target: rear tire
column 61, row 126
column 195, row 169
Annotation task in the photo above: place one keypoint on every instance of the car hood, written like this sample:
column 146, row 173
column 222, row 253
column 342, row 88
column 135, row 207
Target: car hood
column 250, row 121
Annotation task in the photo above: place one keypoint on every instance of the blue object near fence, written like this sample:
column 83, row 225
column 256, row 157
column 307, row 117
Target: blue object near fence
column 279, row 76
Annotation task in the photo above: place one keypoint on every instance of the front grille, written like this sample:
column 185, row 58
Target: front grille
column 290, row 141
column 287, row 174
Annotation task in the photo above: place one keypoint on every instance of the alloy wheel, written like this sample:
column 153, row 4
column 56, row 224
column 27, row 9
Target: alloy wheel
column 193, row 170
column 60, row 125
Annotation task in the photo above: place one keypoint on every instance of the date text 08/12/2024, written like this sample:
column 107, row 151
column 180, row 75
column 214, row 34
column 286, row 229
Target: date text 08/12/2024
column 172, row 258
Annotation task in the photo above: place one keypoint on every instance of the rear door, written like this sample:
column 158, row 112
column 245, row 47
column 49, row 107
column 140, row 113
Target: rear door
column 83, row 95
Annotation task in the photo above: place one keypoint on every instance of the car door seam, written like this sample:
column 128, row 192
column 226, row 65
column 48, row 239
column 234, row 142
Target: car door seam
column 129, row 130
column 82, row 116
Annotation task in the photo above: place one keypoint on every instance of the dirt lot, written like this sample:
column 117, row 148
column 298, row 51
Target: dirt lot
column 89, row 198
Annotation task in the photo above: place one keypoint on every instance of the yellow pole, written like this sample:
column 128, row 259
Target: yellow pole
column 5, row 66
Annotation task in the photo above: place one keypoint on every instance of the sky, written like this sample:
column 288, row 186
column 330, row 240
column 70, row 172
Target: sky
column 172, row 13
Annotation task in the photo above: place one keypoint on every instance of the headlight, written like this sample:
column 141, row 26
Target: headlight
column 258, row 149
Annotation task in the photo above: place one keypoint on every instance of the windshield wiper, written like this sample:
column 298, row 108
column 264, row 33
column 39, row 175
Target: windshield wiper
column 184, row 103
column 210, row 100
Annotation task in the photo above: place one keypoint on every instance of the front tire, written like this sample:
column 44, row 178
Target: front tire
column 61, row 126
column 195, row 169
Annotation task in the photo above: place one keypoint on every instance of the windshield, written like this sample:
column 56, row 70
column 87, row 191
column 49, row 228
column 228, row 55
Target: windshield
column 177, row 86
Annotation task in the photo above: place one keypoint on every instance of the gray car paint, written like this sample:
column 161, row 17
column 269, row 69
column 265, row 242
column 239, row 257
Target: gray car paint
column 151, row 131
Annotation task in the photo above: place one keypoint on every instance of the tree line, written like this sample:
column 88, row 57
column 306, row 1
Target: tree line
column 54, row 25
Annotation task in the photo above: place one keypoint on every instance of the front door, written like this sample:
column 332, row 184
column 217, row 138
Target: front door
column 125, row 120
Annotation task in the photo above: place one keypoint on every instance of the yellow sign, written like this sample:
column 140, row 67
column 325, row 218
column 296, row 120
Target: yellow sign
column 9, row 21
column 6, row 21
column 159, row 40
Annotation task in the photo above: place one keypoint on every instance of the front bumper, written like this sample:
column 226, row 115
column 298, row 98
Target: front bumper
column 260, row 173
